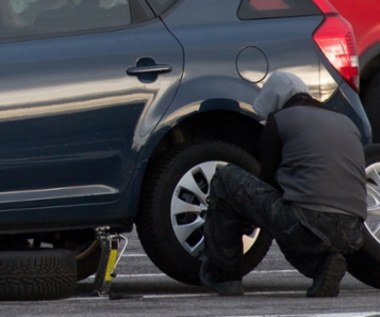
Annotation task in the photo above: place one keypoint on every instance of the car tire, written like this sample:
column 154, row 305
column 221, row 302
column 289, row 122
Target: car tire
column 371, row 102
column 42, row 274
column 158, row 224
column 365, row 264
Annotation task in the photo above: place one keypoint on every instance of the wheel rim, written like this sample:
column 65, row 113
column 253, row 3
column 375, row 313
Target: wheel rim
column 373, row 200
column 81, row 246
column 85, row 249
column 189, row 205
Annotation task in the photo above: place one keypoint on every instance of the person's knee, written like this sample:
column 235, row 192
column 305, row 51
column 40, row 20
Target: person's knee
column 223, row 182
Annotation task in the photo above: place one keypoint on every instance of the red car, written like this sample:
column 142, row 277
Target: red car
column 364, row 17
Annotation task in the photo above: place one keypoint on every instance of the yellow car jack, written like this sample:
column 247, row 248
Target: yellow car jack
column 109, row 259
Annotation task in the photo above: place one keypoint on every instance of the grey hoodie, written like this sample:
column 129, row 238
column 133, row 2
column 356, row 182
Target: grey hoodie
column 314, row 155
column 277, row 90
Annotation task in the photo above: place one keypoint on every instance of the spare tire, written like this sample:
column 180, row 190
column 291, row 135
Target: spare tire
column 42, row 274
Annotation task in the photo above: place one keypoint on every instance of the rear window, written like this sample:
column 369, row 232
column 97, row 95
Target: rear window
column 263, row 9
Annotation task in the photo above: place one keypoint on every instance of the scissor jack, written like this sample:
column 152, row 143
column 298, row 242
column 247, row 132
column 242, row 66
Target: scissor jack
column 109, row 259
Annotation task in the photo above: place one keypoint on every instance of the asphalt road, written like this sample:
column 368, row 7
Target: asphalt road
column 272, row 289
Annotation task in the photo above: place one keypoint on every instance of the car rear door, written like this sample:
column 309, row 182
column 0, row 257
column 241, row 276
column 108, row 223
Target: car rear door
column 76, row 77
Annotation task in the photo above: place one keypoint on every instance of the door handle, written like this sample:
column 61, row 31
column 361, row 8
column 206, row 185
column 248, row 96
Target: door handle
column 147, row 70
column 158, row 68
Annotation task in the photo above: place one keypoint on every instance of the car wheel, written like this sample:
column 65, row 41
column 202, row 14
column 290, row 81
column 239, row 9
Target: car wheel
column 42, row 274
column 174, row 204
column 365, row 264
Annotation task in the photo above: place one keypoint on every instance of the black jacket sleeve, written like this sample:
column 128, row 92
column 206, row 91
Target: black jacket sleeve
column 270, row 151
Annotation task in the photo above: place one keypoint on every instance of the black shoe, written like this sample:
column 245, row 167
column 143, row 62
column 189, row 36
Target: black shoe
column 330, row 273
column 224, row 286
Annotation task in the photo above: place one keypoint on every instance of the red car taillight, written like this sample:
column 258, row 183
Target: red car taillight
column 336, row 40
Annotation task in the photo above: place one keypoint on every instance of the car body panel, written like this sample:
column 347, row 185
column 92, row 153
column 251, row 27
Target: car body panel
column 77, row 132
column 71, row 118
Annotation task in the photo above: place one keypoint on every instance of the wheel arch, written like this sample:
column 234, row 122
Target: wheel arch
column 219, row 119
column 224, row 125
column 370, row 65
column 369, row 82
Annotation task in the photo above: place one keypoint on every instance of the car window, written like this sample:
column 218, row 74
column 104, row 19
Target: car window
column 23, row 18
column 160, row 6
column 260, row 9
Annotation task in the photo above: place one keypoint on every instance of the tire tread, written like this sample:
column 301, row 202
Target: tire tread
column 37, row 274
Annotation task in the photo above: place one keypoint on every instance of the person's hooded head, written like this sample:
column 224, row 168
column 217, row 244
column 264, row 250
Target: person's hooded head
column 277, row 90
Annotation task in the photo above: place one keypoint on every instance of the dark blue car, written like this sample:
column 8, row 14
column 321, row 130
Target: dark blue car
column 118, row 112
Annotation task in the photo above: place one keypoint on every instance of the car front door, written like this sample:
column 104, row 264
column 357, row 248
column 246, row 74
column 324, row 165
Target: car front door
column 76, row 76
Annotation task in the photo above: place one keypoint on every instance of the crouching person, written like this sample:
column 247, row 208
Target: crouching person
column 310, row 196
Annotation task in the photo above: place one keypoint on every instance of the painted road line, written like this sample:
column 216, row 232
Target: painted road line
column 143, row 275
column 134, row 255
column 358, row 314
column 147, row 275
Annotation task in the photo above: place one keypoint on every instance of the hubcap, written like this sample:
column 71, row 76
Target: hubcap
column 189, row 205
column 373, row 199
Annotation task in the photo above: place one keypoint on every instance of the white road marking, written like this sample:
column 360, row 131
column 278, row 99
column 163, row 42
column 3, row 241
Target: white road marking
column 198, row 295
column 202, row 295
column 145, row 275
column 358, row 314
column 142, row 275
column 133, row 255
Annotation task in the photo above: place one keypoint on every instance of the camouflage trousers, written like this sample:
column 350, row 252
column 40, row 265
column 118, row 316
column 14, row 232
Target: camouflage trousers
column 239, row 201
